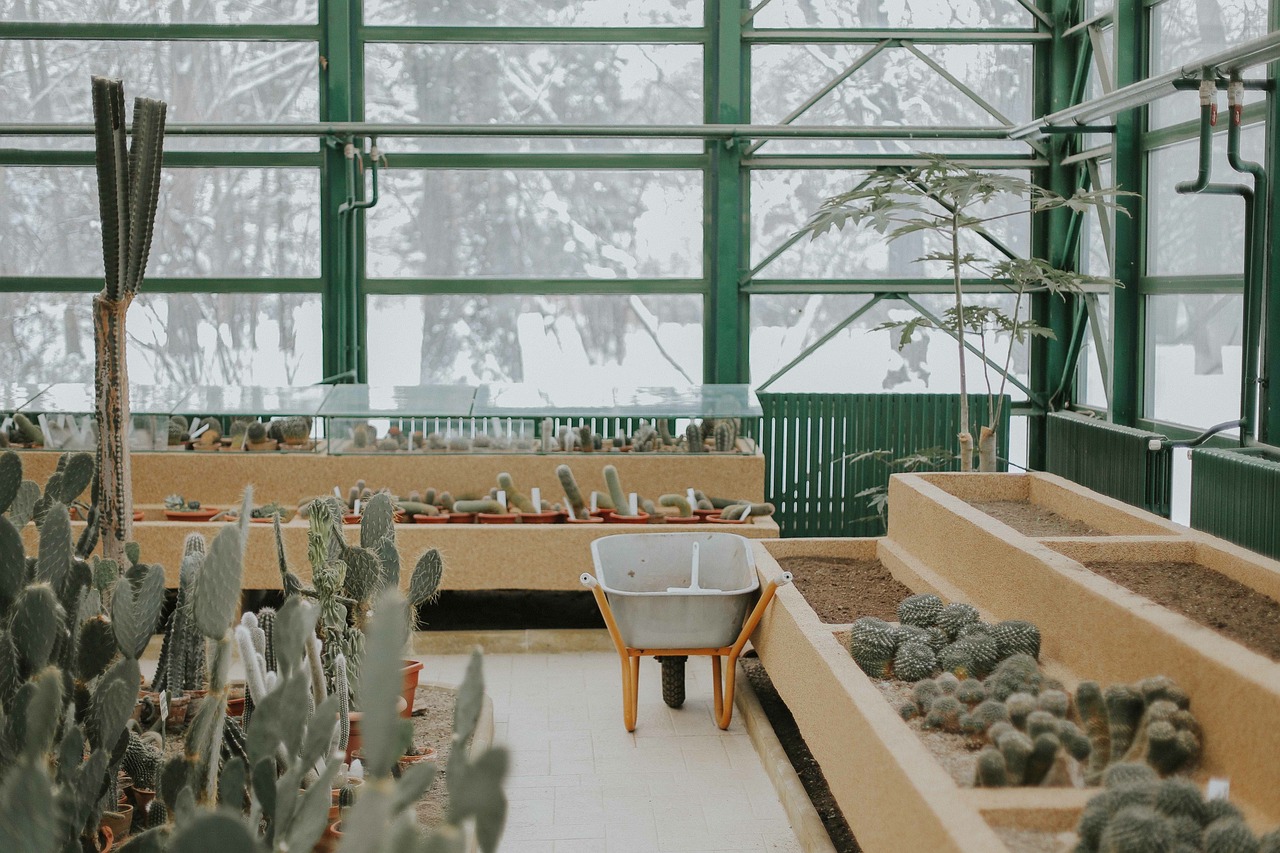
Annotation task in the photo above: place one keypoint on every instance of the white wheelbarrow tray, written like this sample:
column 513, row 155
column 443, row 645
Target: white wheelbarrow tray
column 678, row 594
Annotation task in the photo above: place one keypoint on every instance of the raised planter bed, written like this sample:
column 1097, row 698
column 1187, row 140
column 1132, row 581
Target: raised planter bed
column 479, row 557
column 1093, row 625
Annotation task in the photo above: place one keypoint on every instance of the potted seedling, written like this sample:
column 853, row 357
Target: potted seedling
column 267, row 513
column 577, row 512
column 178, row 508
column 683, row 511
column 626, row 508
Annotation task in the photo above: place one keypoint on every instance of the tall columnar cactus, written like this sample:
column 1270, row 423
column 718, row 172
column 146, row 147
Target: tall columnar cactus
column 515, row 498
column 725, row 436
column 621, row 505
column 128, row 189
column 182, row 656
column 572, row 493
column 693, row 439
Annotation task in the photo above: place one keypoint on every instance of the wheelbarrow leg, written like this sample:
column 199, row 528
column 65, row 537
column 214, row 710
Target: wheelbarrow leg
column 630, row 665
column 632, row 710
column 724, row 690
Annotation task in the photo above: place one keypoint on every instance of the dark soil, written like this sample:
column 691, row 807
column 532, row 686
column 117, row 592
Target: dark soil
column 1034, row 520
column 841, row 590
column 1212, row 599
column 510, row 609
column 815, row 784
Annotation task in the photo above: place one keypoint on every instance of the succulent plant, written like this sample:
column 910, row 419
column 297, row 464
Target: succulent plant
column 571, row 492
column 738, row 511
column 725, row 436
column 693, row 439
column 256, row 433
column 617, row 497
column 920, row 610
column 26, row 432
column 515, row 498
column 873, row 645
column 182, row 656
column 679, row 502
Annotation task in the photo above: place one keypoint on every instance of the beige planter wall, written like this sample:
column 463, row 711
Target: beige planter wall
column 477, row 556
column 893, row 793
column 219, row 478
column 1100, row 629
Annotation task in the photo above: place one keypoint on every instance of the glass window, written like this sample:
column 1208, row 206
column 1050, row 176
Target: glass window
column 558, row 343
column 782, row 326
column 222, row 81
column 893, row 13
column 225, row 339
column 46, row 337
column 210, row 222
column 168, row 12
column 895, row 87
column 782, row 201
column 1196, row 234
column 1183, row 31
column 535, row 13
column 530, row 224
column 534, row 84
column 1090, row 388
column 1193, row 357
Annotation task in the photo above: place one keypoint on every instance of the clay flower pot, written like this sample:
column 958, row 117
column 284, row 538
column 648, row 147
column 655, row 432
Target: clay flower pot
column 602, row 513
column 715, row 519
column 351, row 518
column 641, row 518
column 462, row 517
column 138, row 515
column 497, row 517
column 682, row 519
column 594, row 519
column 411, row 672
column 118, row 821
column 706, row 513
column 106, row 840
column 441, row 518
column 140, row 798
column 407, row 761
column 203, row 514
column 550, row 517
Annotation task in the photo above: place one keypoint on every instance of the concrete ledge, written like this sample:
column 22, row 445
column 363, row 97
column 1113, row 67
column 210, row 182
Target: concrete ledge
column 219, row 478
column 893, row 793
column 1102, row 630
column 805, row 822
column 477, row 556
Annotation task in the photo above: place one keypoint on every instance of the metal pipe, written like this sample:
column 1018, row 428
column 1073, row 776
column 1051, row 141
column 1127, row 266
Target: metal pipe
column 1255, row 225
column 1208, row 118
column 521, row 131
column 1258, row 51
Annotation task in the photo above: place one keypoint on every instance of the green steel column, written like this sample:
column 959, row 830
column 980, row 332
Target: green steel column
column 725, row 320
column 1127, row 303
column 1269, row 367
column 336, row 104
column 1055, row 67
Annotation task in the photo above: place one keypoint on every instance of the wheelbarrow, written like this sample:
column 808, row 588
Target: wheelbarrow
column 672, row 595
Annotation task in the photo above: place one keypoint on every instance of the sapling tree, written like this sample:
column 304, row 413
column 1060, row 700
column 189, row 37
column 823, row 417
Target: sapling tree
column 956, row 204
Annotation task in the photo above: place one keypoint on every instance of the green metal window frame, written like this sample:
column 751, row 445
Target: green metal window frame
column 727, row 36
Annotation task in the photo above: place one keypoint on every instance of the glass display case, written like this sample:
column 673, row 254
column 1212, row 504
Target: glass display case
column 253, row 418
column 62, row 417
column 399, row 419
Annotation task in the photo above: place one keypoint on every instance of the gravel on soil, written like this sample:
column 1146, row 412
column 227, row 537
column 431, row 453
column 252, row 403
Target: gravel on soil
column 1035, row 521
column 806, row 767
column 1035, row 840
column 840, row 590
column 1208, row 597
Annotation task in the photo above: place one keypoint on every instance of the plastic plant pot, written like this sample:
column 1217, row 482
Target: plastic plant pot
column 681, row 519
column 706, row 513
column 439, row 518
column 595, row 519
column 497, row 517
column 639, row 518
column 462, row 517
column 202, row 514
column 351, row 518
column 602, row 513
column 715, row 519
column 550, row 517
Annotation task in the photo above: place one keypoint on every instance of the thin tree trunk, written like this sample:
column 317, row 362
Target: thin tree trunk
column 115, row 481
column 966, row 437
column 987, row 457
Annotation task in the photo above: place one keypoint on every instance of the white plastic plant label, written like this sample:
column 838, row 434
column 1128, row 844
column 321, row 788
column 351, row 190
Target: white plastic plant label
column 1218, row 788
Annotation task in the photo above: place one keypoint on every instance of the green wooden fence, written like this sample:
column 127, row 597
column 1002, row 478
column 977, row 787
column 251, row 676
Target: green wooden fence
column 807, row 439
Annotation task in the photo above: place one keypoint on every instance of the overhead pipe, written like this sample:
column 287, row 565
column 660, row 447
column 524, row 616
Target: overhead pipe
column 1202, row 185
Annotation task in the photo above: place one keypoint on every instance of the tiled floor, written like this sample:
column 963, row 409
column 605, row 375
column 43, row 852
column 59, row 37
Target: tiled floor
column 580, row 783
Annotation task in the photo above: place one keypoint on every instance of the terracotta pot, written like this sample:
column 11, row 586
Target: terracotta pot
column 399, row 517
column 235, row 706
column 202, row 514
column 140, row 798
column 706, row 513
column 497, row 517
column 602, row 513
column 462, row 517
column 355, row 739
column 106, row 839
column 715, row 519
column 407, row 761
column 642, row 518
column 138, row 515
column 595, row 519
column 334, row 832
column 178, row 707
column 439, row 518
column 351, row 518
column 118, row 821
column 411, row 673
column 195, row 698
column 284, row 519
column 539, row 517
column 682, row 519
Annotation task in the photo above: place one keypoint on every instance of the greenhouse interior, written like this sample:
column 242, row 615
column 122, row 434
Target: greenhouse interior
column 925, row 344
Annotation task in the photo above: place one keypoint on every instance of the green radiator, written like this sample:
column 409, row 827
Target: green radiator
column 1114, row 460
column 1235, row 494
column 805, row 438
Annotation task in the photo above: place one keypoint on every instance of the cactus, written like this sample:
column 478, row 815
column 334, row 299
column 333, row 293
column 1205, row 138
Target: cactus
column 520, row 501
column 485, row 506
column 955, row 616
column 679, row 502
column 872, row 645
column 725, row 436
column 693, row 439
column 920, row 610
column 991, row 771
column 616, row 496
column 914, row 661
column 424, row 583
column 27, row 432
column 256, row 433
column 571, row 492
column 744, row 510
column 944, row 713
column 1017, row 637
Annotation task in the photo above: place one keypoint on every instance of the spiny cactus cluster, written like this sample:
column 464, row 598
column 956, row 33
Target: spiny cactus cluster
column 1140, row 813
column 1150, row 721
column 932, row 637
column 182, row 657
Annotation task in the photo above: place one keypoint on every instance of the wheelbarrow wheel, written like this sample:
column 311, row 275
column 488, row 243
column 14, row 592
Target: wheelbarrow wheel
column 673, row 680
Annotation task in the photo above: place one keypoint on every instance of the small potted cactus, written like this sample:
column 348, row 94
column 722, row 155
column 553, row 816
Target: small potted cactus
column 742, row 513
column 621, row 513
column 267, row 513
column 256, row 437
column 577, row 508
column 291, row 432
column 178, row 508
column 683, row 511
column 486, row 511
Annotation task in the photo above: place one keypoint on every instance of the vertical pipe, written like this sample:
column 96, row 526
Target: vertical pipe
column 1254, row 261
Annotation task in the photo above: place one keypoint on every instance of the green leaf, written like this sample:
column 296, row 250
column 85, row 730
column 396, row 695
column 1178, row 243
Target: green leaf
column 215, row 593
column 231, row 782
column 311, row 817
column 77, row 473
column 135, row 609
column 23, row 508
column 36, row 624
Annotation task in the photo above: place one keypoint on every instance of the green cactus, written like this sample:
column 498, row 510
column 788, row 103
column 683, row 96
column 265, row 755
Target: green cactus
column 872, row 644
column 571, row 492
column 424, row 583
column 944, row 713
column 1017, row 637
column 725, row 436
column 621, row 506
column 680, row 502
column 746, row 510
column 182, row 656
column 991, row 771
column 514, row 497
column 693, row 439
column 971, row 692
column 914, row 661
column 27, row 432
column 955, row 616
column 1124, row 711
column 1016, row 674
column 920, row 610
column 256, row 433
column 485, row 506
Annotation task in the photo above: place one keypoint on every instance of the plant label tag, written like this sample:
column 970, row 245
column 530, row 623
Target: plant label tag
column 203, row 429
column 1218, row 789
column 594, row 506
column 693, row 502
column 356, row 508
column 535, row 495
column 502, row 498
column 634, row 504
column 337, row 494
column 164, row 704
